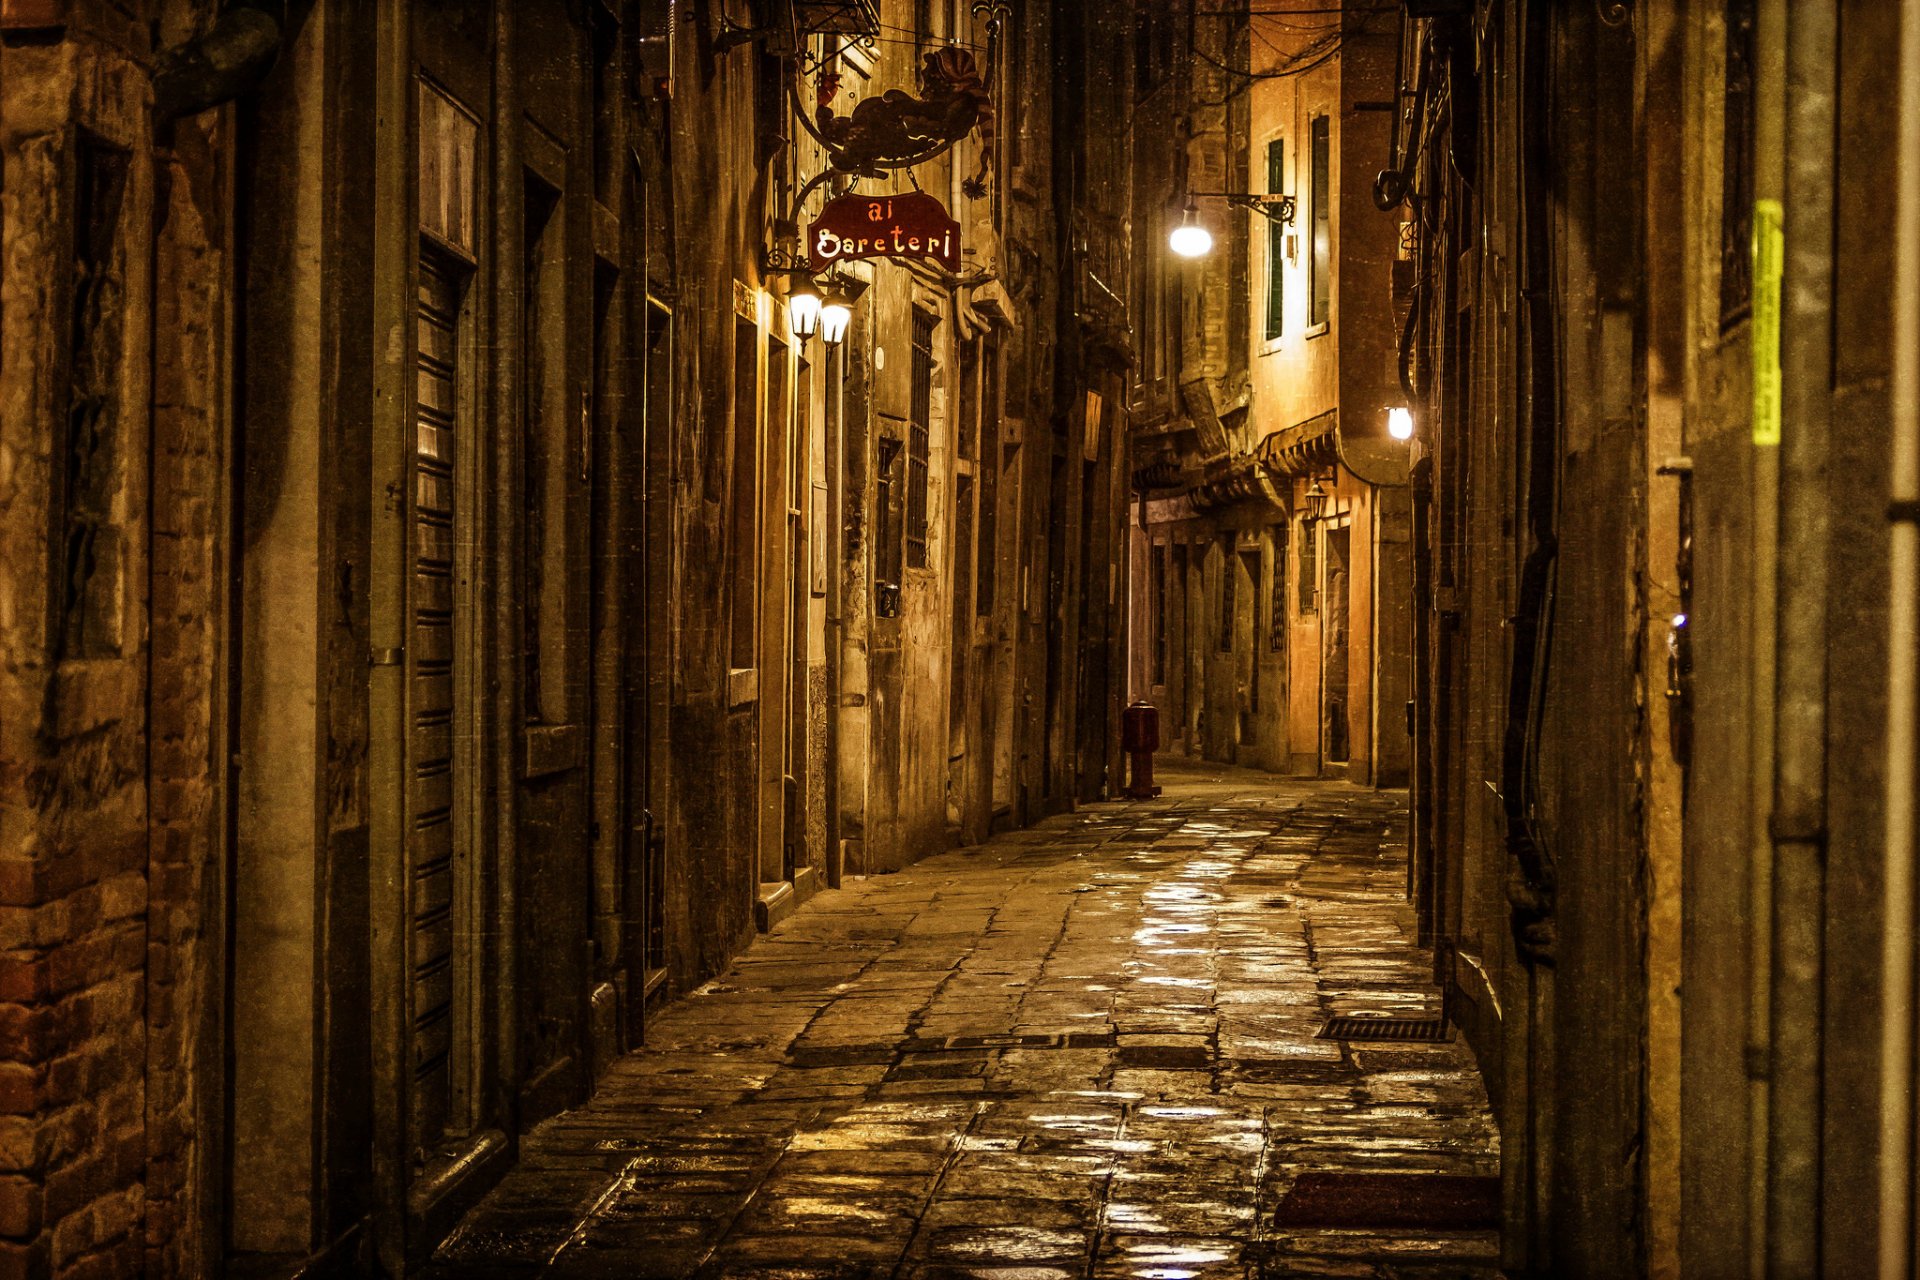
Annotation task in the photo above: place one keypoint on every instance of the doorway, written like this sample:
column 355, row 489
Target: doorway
column 1335, row 735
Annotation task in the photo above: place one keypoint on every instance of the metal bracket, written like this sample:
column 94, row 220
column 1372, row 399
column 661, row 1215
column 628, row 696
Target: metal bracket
column 1272, row 205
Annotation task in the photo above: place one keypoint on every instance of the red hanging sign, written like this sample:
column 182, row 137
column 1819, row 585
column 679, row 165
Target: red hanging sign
column 914, row 225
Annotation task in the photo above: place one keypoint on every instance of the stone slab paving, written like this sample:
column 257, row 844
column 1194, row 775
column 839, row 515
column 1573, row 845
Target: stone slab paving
column 1088, row 1049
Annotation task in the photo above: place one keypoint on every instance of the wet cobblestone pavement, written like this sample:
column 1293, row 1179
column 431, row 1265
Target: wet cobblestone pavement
column 1085, row 1049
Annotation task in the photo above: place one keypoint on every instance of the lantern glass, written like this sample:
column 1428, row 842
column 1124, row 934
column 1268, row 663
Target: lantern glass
column 1190, row 239
column 803, row 310
column 836, row 313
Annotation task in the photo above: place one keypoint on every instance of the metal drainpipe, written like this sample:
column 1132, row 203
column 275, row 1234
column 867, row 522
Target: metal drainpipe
column 1797, row 825
column 1903, row 690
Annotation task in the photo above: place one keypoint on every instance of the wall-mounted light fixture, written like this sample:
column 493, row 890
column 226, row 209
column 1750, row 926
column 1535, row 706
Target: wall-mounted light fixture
column 1316, row 500
column 804, row 302
column 836, row 313
column 1400, row 422
column 1191, row 240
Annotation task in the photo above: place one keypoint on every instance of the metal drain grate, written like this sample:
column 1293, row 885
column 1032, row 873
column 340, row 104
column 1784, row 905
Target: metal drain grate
column 1376, row 1027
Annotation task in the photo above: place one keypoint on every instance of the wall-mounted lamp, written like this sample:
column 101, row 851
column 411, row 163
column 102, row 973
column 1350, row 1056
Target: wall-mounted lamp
column 1400, row 422
column 1316, row 500
column 804, row 302
column 836, row 313
column 1190, row 239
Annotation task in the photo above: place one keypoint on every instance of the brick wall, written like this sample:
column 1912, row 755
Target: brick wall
column 105, row 589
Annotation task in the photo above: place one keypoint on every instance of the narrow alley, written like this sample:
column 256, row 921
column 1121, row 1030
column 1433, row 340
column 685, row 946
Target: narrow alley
column 1092, row 1048
column 959, row 639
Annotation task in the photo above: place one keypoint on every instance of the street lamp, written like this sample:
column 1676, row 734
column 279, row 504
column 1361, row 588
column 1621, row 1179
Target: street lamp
column 1190, row 239
column 1316, row 500
column 836, row 313
column 803, row 310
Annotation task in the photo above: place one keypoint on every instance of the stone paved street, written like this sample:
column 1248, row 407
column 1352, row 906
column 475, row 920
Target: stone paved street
column 1086, row 1049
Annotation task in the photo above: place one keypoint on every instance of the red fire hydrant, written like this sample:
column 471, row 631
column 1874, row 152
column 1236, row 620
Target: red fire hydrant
column 1140, row 738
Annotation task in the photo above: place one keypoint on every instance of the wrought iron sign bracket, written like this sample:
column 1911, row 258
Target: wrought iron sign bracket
column 1274, row 207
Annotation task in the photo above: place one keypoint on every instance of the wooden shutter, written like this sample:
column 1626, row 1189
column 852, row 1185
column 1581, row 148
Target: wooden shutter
column 431, row 706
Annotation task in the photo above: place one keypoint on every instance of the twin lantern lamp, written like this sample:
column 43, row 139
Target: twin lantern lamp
column 809, row 312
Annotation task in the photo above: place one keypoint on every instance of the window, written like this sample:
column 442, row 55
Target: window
column 1321, row 279
column 917, row 436
column 1277, row 621
column 1228, row 576
column 1276, row 243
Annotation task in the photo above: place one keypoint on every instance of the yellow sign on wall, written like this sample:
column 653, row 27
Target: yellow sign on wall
column 1769, row 246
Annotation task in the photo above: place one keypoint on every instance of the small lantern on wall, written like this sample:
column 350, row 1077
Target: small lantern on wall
column 1316, row 500
column 836, row 313
column 804, row 304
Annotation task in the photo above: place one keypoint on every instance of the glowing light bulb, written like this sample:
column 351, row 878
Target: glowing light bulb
column 1400, row 423
column 1191, row 240
column 836, row 313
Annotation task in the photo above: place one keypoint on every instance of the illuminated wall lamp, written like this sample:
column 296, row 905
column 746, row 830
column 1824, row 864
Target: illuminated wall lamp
column 804, row 304
column 1400, row 422
column 836, row 313
column 1190, row 239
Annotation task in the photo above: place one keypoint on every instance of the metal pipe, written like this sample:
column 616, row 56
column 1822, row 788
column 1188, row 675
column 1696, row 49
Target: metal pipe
column 1798, row 824
column 1896, row 1216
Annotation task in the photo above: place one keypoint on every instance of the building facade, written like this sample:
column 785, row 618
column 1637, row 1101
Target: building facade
column 1269, row 534
column 1653, row 345
column 447, row 606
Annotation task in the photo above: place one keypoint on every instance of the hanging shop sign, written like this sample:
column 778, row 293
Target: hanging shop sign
column 914, row 225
